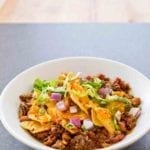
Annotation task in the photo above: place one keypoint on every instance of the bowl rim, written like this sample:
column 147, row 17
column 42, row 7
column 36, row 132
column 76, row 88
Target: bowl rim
column 18, row 137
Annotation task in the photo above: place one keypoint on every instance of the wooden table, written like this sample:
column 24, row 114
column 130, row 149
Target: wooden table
column 75, row 11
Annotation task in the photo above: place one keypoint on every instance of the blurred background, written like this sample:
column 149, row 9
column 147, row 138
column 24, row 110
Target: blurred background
column 74, row 11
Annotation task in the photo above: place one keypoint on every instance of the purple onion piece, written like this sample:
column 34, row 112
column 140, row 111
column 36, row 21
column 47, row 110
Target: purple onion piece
column 56, row 96
column 76, row 122
column 105, row 91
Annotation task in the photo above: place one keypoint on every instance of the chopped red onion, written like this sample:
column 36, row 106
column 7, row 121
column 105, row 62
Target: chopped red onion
column 73, row 109
column 56, row 96
column 87, row 123
column 135, row 112
column 61, row 105
column 76, row 122
column 104, row 91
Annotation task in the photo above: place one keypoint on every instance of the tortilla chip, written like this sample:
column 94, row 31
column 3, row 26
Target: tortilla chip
column 103, row 117
column 34, row 114
column 35, row 127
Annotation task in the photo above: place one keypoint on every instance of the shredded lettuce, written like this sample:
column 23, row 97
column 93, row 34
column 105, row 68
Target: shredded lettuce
column 42, row 98
column 92, row 92
column 41, row 84
column 96, row 83
column 56, row 89
column 92, row 88
column 116, row 124
column 53, row 83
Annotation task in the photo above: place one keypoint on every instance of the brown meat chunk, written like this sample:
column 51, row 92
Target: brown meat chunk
column 129, row 120
column 57, row 130
column 57, row 137
column 89, row 78
column 42, row 135
column 122, row 126
column 117, row 138
column 103, row 77
column 136, row 101
column 66, row 136
column 91, row 134
column 26, row 97
column 23, row 110
column 81, row 142
column 119, row 85
column 59, row 145
column 99, row 136
column 50, row 140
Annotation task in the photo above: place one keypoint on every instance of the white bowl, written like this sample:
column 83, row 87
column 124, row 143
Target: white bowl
column 88, row 66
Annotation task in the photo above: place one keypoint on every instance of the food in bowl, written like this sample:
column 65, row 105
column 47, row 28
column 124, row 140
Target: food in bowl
column 76, row 113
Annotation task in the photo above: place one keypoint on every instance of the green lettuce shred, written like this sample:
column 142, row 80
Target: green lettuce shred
column 116, row 124
column 42, row 84
column 96, row 83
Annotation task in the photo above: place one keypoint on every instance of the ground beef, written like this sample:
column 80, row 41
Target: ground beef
column 50, row 140
column 89, row 78
column 103, row 77
column 117, row 138
column 42, row 135
column 99, row 136
column 23, row 110
column 122, row 126
column 59, row 144
column 119, row 85
column 24, row 106
column 130, row 123
column 57, row 130
column 129, row 120
column 81, row 142
column 66, row 136
column 26, row 97
column 57, row 137
column 136, row 101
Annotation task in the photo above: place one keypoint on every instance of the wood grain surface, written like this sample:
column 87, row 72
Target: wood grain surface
column 75, row 11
